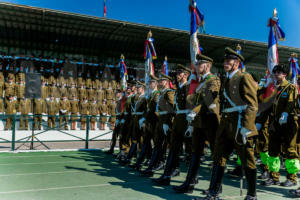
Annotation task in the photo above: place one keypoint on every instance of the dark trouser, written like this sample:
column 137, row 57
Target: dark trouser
column 51, row 121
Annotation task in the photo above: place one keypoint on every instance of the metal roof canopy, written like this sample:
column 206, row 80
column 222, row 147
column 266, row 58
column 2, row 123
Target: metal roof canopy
column 62, row 33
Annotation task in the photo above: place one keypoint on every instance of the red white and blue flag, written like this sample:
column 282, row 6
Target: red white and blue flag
column 123, row 73
column 104, row 8
column 166, row 70
column 242, row 67
column 197, row 21
column 294, row 68
column 149, row 55
column 275, row 34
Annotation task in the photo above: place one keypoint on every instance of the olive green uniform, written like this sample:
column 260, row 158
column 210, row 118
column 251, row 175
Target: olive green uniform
column 64, row 109
column 52, row 110
column 39, row 108
column 24, row 107
column 10, row 109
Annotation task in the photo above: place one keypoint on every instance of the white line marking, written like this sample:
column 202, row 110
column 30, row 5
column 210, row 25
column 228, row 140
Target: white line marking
column 63, row 188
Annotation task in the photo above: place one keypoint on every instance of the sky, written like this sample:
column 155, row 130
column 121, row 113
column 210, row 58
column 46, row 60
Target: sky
column 242, row 19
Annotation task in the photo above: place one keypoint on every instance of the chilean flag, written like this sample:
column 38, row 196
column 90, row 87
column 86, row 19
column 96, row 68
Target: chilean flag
column 197, row 20
column 275, row 34
column 294, row 68
column 149, row 55
column 123, row 73
column 104, row 14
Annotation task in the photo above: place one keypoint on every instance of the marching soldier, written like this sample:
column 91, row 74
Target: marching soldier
column 84, row 112
column 103, row 110
column 283, row 119
column 117, row 125
column 20, row 76
column 51, row 80
column 94, row 112
column 52, row 111
column 97, row 83
column 10, row 110
column 71, row 81
column 39, row 110
column 164, row 110
column 138, row 113
column 53, row 90
column 63, row 91
column 61, row 79
column 80, row 80
column 179, row 126
column 149, row 122
column 64, row 109
column 203, row 119
column 237, row 126
column 74, row 104
column 89, row 82
column 25, row 109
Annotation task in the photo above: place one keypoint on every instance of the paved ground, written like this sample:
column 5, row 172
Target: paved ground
column 77, row 175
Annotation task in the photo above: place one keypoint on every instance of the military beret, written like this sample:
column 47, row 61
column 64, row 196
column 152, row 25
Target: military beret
column 202, row 58
column 280, row 68
column 153, row 78
column 181, row 67
column 231, row 54
column 165, row 77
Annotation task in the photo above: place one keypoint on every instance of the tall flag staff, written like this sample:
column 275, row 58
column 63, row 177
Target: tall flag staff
column 104, row 8
column 149, row 55
column 123, row 72
column 275, row 34
column 294, row 69
column 197, row 21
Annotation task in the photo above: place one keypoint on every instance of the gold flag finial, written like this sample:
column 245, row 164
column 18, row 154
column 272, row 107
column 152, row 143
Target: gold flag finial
column 122, row 56
column 274, row 12
column 294, row 55
column 238, row 47
column 149, row 34
column 166, row 58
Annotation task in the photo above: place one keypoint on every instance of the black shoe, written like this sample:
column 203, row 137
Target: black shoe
column 159, row 166
column 175, row 172
column 148, row 172
column 125, row 161
column 147, row 162
column 206, row 192
column 163, row 180
column 264, row 175
column 236, row 173
column 249, row 197
column 295, row 193
column 270, row 182
column 288, row 183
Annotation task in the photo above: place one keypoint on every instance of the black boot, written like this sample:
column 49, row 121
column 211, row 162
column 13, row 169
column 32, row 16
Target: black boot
column 141, row 157
column 130, row 154
column 154, row 160
column 191, row 178
column 215, row 182
column 165, row 178
column 251, row 183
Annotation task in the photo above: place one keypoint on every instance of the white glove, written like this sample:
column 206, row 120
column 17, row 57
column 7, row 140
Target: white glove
column 245, row 132
column 30, row 114
column 165, row 128
column 141, row 122
column 189, row 131
column 258, row 126
column 191, row 116
column 18, row 113
column 104, row 114
column 57, row 114
column 283, row 118
column 122, row 121
column 44, row 116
